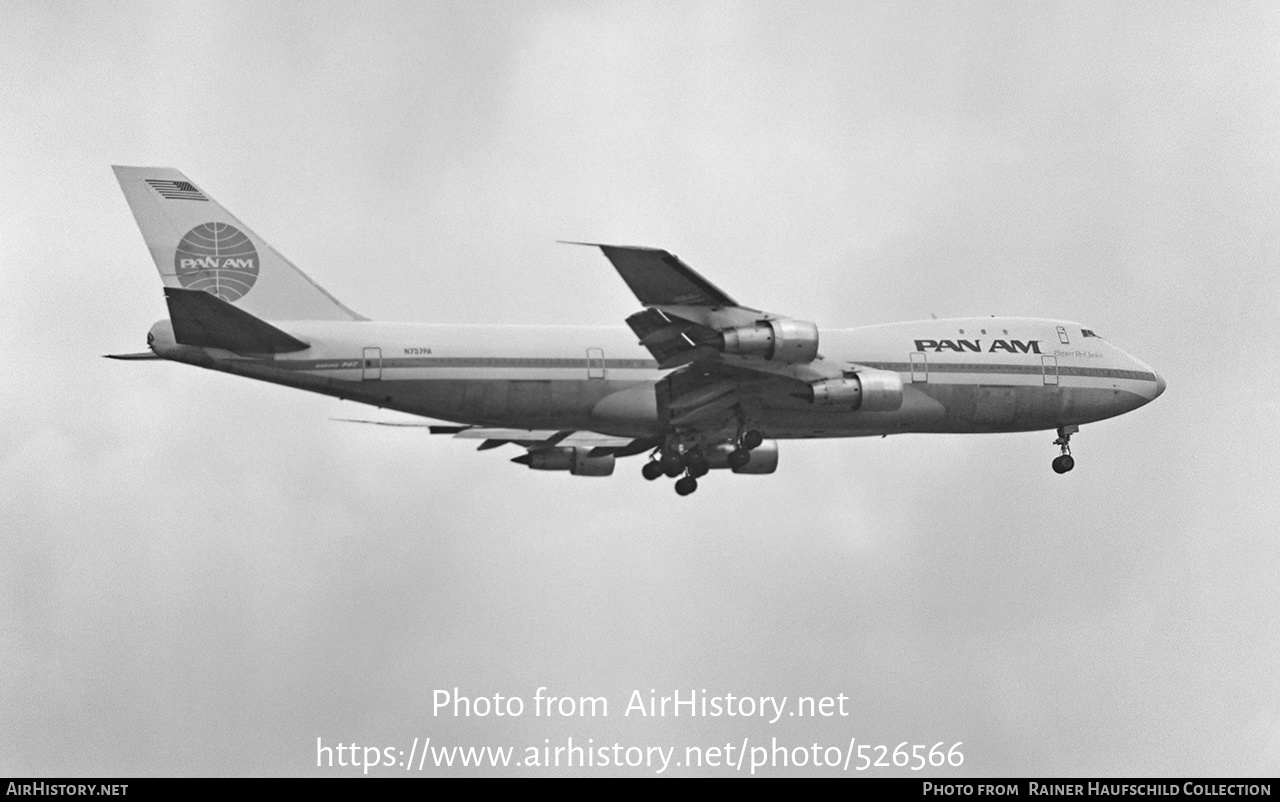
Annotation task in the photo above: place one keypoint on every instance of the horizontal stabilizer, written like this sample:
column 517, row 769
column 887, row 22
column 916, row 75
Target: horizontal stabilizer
column 203, row 319
column 452, row 429
column 137, row 356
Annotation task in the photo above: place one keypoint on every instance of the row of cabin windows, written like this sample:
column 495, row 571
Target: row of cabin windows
column 1062, row 334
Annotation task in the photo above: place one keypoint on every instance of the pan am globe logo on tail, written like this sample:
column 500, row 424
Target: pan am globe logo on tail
column 217, row 258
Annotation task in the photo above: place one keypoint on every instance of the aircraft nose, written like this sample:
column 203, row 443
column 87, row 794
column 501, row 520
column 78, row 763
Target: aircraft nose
column 1159, row 386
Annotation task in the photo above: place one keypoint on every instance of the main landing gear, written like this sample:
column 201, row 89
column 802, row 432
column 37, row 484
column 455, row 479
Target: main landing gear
column 1064, row 463
column 741, row 455
column 674, row 460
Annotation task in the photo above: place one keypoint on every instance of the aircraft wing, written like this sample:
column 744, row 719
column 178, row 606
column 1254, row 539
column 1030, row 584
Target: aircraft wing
column 689, row 319
column 729, row 356
column 685, row 314
column 659, row 278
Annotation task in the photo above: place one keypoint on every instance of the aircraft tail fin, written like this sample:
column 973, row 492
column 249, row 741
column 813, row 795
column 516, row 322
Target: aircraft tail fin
column 198, row 245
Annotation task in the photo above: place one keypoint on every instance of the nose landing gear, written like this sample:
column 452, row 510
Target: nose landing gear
column 1065, row 462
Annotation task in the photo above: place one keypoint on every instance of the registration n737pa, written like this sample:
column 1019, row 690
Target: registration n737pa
column 696, row 380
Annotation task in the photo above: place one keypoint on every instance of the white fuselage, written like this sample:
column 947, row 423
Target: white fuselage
column 959, row 375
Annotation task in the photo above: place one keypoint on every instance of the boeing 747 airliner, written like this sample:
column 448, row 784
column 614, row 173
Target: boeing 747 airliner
column 697, row 381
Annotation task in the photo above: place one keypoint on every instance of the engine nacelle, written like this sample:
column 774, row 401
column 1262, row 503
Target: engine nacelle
column 574, row 460
column 869, row 391
column 764, row 458
column 784, row 340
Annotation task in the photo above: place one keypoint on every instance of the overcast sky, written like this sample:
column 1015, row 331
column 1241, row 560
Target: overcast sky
column 200, row 574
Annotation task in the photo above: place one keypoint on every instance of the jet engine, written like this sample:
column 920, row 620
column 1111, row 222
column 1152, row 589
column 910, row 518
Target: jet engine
column 764, row 458
column 784, row 340
column 868, row 390
column 574, row 460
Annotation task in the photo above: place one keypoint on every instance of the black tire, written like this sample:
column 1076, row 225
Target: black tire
column 696, row 462
column 739, row 457
column 1063, row 464
column 686, row 485
column 752, row 439
column 673, row 463
column 652, row 470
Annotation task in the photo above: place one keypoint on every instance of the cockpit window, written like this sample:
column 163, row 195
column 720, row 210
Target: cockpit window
column 1088, row 333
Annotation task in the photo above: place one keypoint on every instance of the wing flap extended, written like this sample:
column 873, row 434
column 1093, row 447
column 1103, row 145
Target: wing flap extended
column 529, row 438
column 671, row 339
column 706, row 392
column 542, row 438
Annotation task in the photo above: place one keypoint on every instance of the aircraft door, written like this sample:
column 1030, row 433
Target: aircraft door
column 372, row 365
column 919, row 367
column 1049, row 364
column 595, row 363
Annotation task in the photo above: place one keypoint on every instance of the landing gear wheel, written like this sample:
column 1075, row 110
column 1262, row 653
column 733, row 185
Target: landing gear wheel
column 672, row 463
column 739, row 457
column 752, row 439
column 1064, row 463
column 696, row 462
column 686, row 485
column 652, row 470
